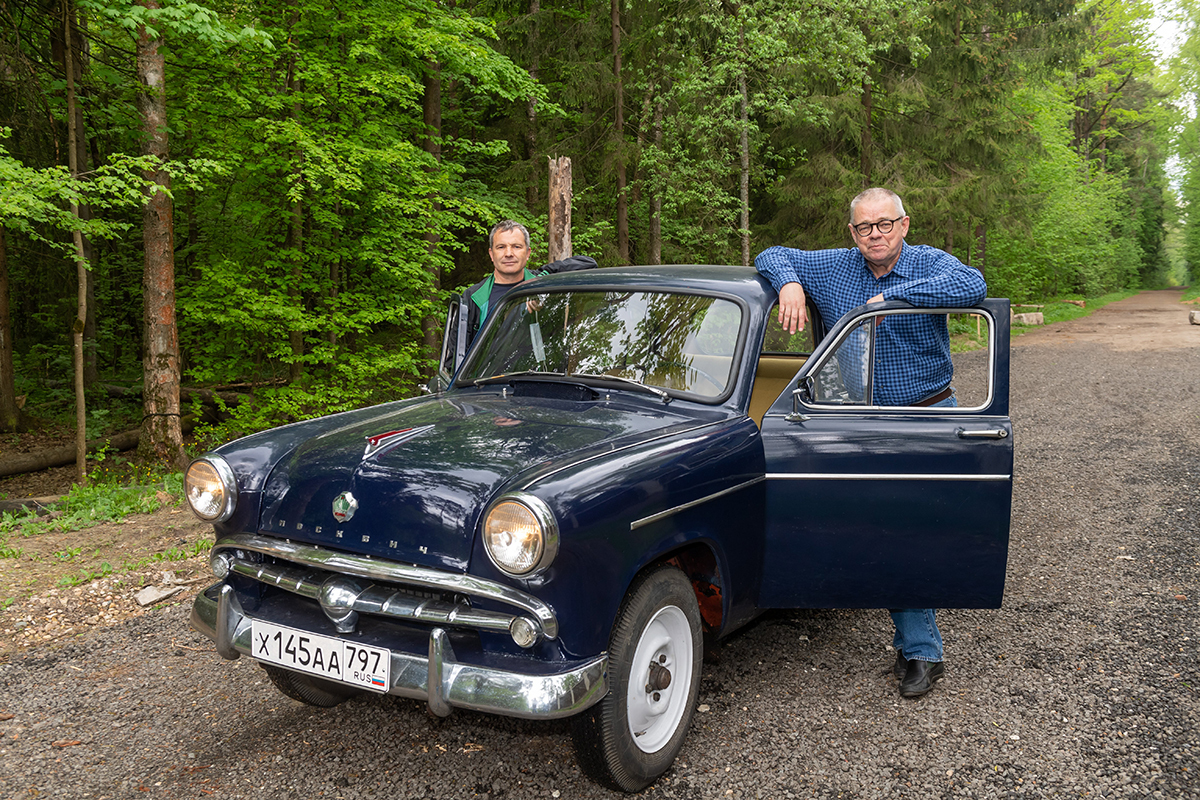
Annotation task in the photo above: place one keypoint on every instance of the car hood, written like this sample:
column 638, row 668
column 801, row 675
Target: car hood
column 420, row 476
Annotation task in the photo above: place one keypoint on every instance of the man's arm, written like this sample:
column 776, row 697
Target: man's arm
column 779, row 266
column 569, row 264
column 949, row 282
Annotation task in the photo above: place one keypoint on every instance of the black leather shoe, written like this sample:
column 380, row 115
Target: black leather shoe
column 920, row 677
column 900, row 668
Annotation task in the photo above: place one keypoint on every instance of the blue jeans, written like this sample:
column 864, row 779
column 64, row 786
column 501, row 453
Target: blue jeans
column 917, row 634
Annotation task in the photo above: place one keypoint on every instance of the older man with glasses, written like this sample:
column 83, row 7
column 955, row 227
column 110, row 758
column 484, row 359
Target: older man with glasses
column 914, row 368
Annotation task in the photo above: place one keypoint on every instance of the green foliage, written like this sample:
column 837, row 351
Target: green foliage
column 37, row 202
column 1077, row 238
column 86, row 576
column 320, row 219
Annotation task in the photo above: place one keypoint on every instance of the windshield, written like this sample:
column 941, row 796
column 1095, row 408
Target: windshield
column 674, row 342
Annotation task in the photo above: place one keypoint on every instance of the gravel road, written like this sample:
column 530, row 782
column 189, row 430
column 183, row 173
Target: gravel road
column 1083, row 685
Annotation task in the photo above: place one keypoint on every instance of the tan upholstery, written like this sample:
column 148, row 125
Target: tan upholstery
column 770, row 379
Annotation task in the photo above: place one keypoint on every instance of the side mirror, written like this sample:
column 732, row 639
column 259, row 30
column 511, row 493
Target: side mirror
column 437, row 384
column 805, row 390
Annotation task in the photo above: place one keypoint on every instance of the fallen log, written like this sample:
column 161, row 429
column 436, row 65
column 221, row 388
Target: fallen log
column 186, row 395
column 61, row 456
column 40, row 503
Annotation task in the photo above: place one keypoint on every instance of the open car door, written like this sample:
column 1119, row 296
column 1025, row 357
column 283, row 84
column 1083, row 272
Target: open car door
column 877, row 506
column 454, row 345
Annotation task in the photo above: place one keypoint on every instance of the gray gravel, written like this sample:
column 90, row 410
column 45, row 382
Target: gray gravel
column 1083, row 685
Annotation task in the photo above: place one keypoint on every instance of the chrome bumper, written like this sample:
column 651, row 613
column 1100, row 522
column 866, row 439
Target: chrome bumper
column 438, row 678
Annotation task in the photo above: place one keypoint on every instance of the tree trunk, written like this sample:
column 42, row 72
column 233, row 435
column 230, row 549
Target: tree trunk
column 81, row 265
column 531, row 188
column 745, row 148
column 656, row 194
column 865, row 145
column 431, row 325
column 161, row 436
column 981, row 249
column 619, row 137
column 294, row 237
column 559, row 233
column 10, row 414
column 70, row 53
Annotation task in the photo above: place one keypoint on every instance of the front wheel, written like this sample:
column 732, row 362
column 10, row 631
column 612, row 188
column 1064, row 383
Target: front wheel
column 632, row 736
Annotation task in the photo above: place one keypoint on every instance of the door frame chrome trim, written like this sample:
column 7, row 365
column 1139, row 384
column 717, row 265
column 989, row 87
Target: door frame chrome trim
column 877, row 476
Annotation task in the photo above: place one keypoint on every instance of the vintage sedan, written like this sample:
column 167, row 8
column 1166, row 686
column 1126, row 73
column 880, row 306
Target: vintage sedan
column 625, row 463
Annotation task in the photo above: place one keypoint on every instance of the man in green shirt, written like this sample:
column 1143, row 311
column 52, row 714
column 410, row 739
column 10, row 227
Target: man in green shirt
column 508, row 247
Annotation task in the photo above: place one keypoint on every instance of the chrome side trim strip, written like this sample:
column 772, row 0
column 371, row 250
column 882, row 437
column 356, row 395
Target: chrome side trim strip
column 467, row 686
column 868, row 476
column 638, row 523
column 378, row 569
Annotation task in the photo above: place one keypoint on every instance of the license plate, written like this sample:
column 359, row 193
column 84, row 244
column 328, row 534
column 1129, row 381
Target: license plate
column 325, row 656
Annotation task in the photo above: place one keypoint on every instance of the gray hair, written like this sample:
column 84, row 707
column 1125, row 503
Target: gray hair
column 877, row 193
column 504, row 226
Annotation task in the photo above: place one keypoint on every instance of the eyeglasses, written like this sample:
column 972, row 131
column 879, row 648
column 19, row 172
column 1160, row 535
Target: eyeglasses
column 884, row 225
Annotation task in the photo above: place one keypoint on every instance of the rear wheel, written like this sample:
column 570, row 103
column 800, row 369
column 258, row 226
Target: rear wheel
column 632, row 736
column 308, row 689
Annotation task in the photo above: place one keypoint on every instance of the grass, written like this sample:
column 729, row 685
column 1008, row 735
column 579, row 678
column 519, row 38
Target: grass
column 1191, row 295
column 112, row 495
column 98, row 502
column 169, row 556
column 86, row 576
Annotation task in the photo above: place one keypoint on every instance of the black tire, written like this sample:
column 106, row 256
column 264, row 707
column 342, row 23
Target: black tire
column 659, row 623
column 308, row 689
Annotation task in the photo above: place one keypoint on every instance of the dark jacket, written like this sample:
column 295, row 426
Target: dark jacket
column 476, row 297
column 472, row 307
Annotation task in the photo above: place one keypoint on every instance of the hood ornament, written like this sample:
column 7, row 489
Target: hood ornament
column 344, row 506
column 383, row 441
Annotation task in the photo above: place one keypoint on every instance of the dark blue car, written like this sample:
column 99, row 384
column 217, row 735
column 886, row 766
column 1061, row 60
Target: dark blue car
column 625, row 462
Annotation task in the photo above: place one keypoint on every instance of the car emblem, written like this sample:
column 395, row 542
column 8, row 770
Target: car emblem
column 344, row 506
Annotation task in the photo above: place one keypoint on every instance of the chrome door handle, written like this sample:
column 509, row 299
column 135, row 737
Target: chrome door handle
column 995, row 433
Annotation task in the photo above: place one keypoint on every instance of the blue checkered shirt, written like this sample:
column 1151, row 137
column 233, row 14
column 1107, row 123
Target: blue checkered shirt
column 912, row 351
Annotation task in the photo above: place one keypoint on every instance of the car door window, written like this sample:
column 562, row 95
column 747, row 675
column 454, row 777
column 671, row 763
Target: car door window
column 859, row 370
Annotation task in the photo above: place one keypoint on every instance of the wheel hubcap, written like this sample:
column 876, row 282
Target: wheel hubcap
column 656, row 702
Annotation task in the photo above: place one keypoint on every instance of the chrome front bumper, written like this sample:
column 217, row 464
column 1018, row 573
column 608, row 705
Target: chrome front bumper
column 437, row 678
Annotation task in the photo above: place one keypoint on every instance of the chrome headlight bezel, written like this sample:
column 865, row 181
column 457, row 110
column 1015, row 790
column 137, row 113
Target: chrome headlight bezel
column 546, row 540
column 226, row 481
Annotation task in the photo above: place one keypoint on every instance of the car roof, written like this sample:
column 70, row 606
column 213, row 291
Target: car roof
column 744, row 282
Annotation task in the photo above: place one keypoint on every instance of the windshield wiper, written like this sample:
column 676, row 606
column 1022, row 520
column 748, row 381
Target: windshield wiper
column 533, row 373
column 666, row 398
column 505, row 377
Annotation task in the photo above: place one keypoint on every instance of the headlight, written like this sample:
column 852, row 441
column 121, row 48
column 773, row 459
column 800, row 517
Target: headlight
column 211, row 489
column 520, row 534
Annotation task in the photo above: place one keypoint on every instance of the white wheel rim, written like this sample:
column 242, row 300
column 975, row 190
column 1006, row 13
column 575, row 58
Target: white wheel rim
column 654, row 715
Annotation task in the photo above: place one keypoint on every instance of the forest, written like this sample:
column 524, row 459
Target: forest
column 265, row 205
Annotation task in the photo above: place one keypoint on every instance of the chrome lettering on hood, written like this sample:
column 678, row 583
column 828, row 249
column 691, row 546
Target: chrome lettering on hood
column 383, row 441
